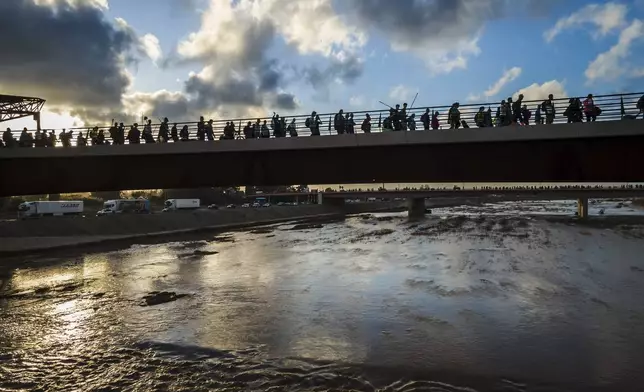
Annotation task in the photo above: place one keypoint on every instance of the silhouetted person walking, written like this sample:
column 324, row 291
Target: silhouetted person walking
column 174, row 133
column 184, row 134
column 134, row 135
column 339, row 122
column 590, row 110
column 147, row 133
column 454, row 116
column 548, row 108
column 516, row 110
column 292, row 129
column 314, row 124
column 366, row 124
column 426, row 119
column 479, row 117
column 201, row 129
column 163, row 131
column 349, row 124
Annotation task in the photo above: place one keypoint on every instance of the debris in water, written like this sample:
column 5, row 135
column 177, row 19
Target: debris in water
column 189, row 245
column 262, row 231
column 198, row 253
column 307, row 226
column 228, row 238
column 160, row 297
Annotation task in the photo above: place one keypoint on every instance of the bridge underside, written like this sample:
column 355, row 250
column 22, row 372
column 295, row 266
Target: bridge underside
column 325, row 160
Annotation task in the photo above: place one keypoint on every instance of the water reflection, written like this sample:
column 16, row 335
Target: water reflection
column 492, row 298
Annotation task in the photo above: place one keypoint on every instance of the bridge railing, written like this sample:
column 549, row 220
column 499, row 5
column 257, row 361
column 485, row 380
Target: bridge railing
column 612, row 107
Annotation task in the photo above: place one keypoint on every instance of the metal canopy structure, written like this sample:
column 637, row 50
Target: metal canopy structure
column 13, row 107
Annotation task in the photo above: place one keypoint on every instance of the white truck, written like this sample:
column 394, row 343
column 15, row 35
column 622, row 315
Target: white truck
column 181, row 204
column 125, row 206
column 50, row 208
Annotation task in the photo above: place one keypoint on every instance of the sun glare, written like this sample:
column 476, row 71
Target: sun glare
column 48, row 120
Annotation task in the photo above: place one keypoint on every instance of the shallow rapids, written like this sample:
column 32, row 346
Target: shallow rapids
column 456, row 302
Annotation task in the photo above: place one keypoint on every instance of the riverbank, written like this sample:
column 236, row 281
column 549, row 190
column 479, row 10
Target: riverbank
column 47, row 234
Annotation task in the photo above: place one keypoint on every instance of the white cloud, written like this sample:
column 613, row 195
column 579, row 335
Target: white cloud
column 605, row 17
column 611, row 64
column 637, row 73
column 442, row 57
column 74, row 3
column 508, row 76
column 151, row 47
column 402, row 93
column 310, row 26
column 538, row 92
column 357, row 101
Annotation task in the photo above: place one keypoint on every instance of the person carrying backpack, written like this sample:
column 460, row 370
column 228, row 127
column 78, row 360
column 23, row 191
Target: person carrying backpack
column 313, row 124
column 435, row 122
column 479, row 117
column 590, row 109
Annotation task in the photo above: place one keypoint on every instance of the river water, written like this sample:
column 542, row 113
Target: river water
column 457, row 302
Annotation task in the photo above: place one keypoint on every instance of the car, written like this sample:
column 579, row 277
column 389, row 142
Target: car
column 213, row 207
column 266, row 205
column 230, row 206
column 256, row 205
column 245, row 205
column 281, row 204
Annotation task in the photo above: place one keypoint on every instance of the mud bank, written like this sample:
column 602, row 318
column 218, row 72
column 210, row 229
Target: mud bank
column 39, row 235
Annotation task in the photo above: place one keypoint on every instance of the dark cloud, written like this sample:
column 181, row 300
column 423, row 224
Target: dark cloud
column 418, row 21
column 270, row 76
column 346, row 70
column 173, row 105
column 208, row 94
column 69, row 55
column 285, row 101
column 234, row 96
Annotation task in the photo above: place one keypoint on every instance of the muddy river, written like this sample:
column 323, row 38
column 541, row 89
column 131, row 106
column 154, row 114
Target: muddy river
column 457, row 302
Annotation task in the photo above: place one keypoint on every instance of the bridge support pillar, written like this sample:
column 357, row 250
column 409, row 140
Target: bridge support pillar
column 416, row 207
column 582, row 208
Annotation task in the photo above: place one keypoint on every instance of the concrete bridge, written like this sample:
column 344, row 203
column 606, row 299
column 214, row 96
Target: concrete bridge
column 609, row 151
column 417, row 207
column 416, row 199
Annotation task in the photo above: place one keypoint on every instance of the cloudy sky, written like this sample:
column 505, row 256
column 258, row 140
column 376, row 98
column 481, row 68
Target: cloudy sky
column 94, row 60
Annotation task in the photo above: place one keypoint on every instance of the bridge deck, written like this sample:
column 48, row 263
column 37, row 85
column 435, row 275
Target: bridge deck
column 582, row 152
column 624, row 128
